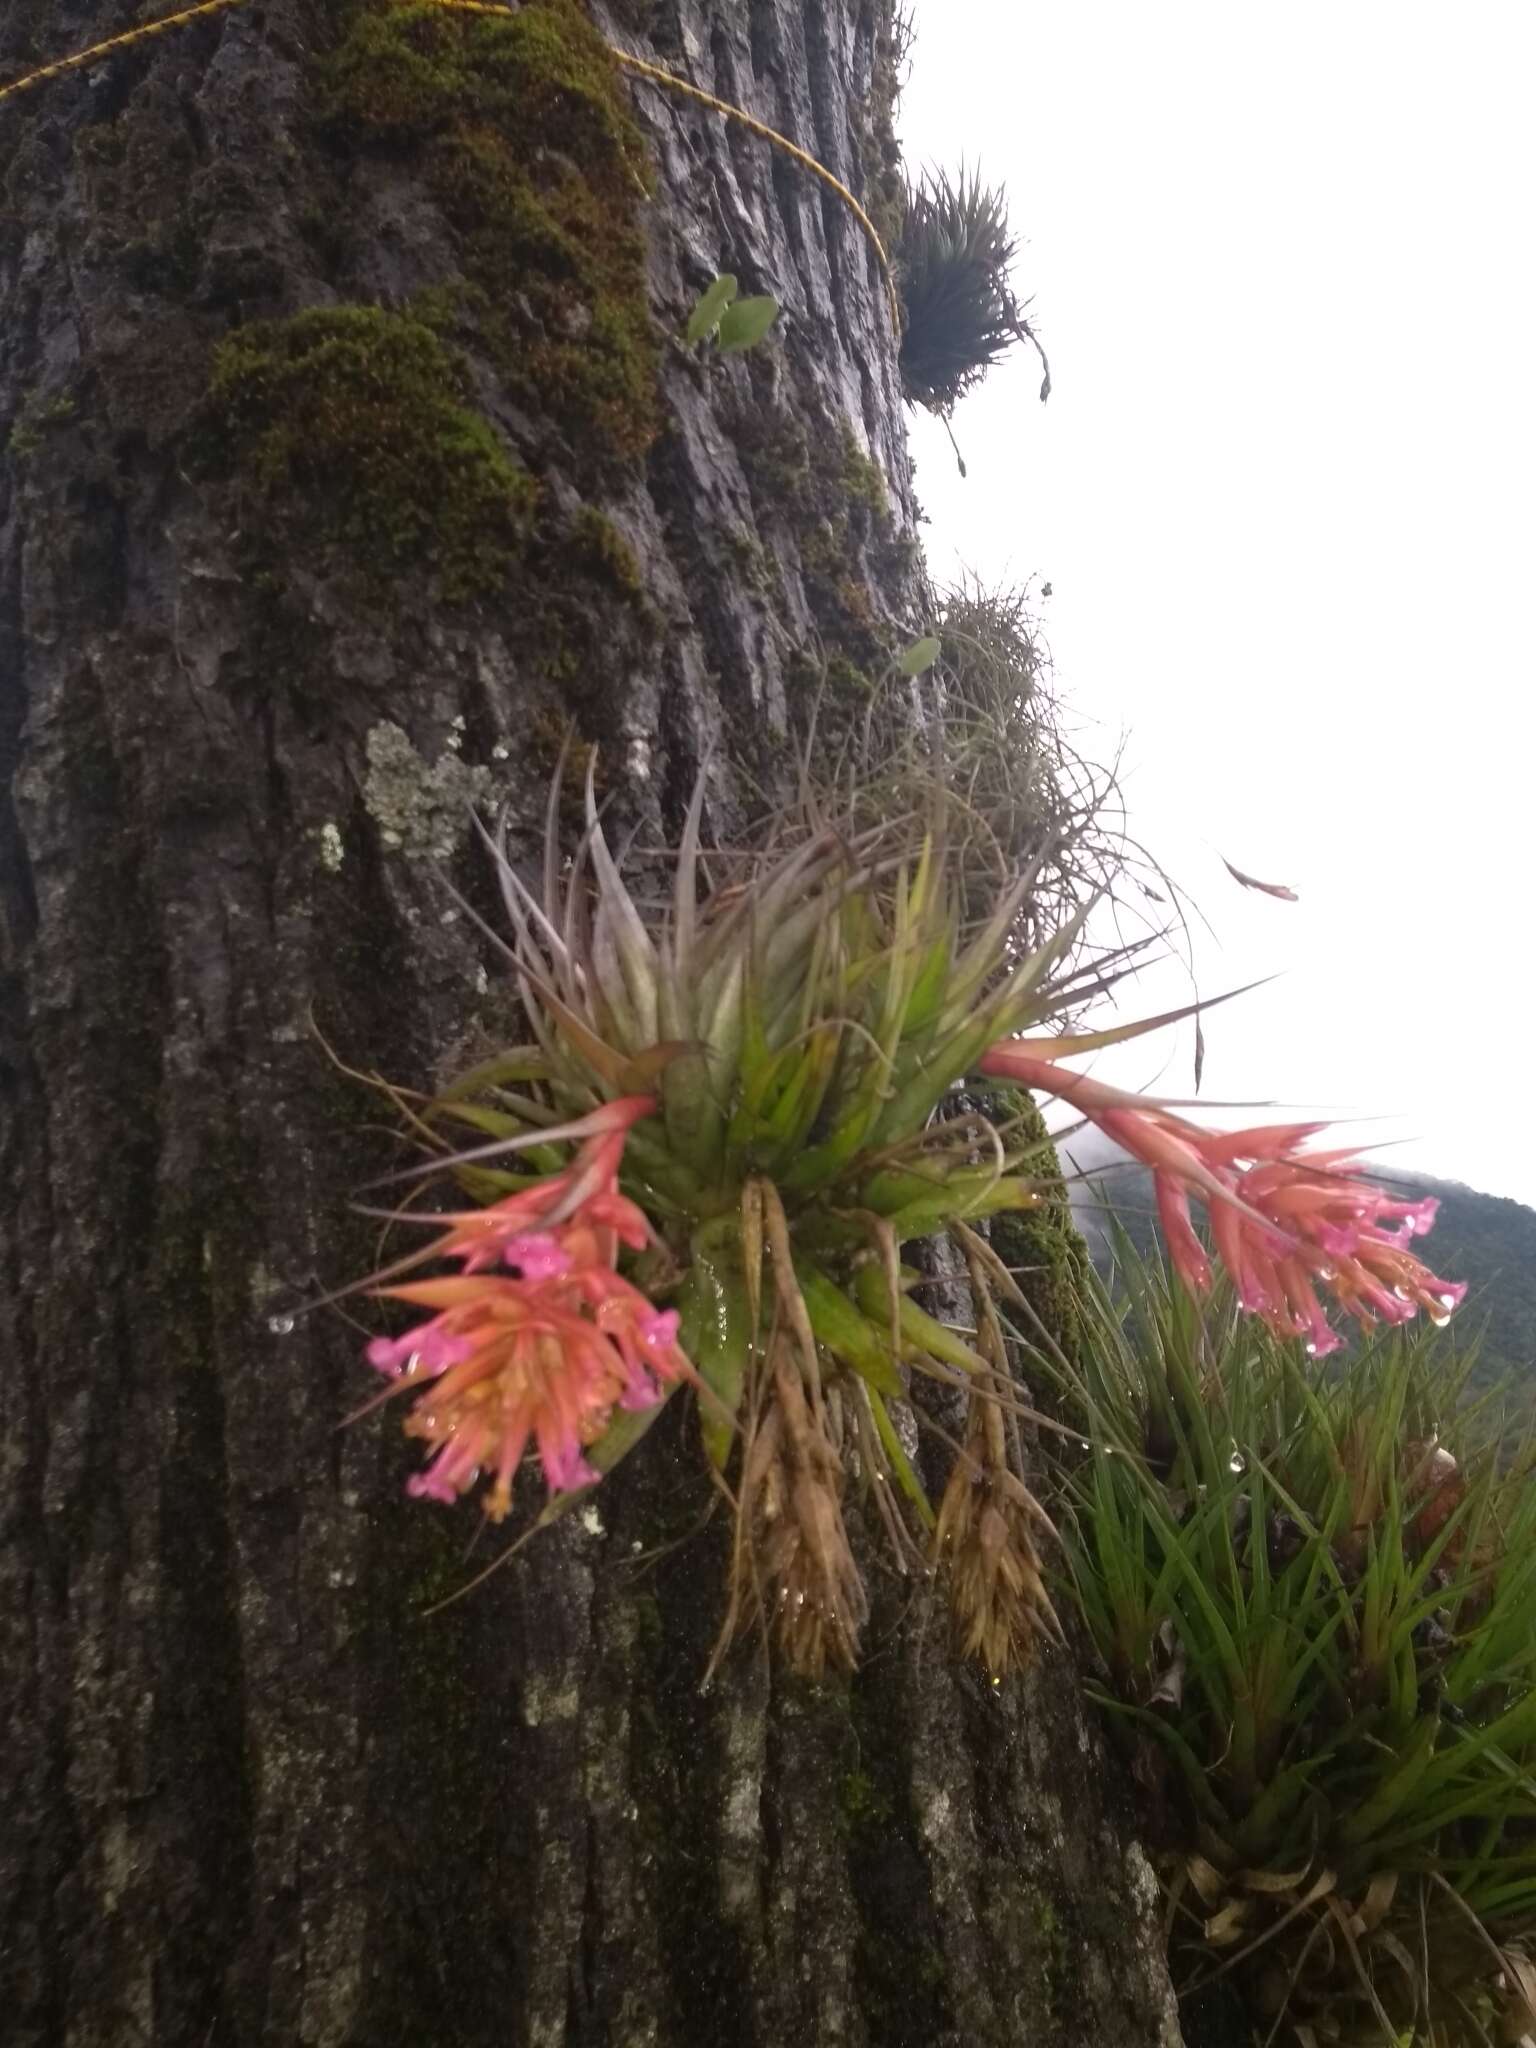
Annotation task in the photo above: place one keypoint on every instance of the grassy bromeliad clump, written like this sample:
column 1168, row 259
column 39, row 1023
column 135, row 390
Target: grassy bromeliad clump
column 1019, row 767
column 1314, row 1590
column 770, row 1067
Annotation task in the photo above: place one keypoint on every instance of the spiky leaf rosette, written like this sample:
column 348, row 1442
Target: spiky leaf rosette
column 801, row 1005
column 955, row 253
column 751, row 1048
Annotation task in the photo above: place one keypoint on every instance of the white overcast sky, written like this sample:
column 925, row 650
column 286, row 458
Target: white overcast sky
column 1282, row 261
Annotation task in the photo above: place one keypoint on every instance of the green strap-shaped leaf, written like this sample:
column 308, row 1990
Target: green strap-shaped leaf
column 847, row 1332
column 519, row 1063
column 918, row 1204
column 900, row 1463
column 716, row 1333
column 920, row 1333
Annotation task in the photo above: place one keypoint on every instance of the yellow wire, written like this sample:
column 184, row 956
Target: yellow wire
column 772, row 135
column 131, row 35
column 653, row 72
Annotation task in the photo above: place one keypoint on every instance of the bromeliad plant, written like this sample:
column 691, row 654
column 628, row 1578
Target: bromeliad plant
column 1313, row 1589
column 758, row 1074
column 754, row 1078
column 959, row 315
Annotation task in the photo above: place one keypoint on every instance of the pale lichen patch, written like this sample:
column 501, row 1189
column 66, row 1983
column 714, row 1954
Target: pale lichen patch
column 545, row 1700
column 422, row 810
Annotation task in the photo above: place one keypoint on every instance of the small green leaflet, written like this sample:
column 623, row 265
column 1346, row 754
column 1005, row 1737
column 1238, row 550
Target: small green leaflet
column 920, row 655
column 735, row 323
column 705, row 317
column 746, row 322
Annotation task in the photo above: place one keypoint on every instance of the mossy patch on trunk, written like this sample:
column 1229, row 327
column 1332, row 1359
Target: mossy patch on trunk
column 816, row 483
column 519, row 125
column 348, row 426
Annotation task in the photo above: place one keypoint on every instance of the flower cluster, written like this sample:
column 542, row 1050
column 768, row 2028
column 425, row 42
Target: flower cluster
column 1284, row 1222
column 545, row 1356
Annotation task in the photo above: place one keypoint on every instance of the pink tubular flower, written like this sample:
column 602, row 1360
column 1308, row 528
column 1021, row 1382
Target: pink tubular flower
column 1284, row 1222
column 543, row 1358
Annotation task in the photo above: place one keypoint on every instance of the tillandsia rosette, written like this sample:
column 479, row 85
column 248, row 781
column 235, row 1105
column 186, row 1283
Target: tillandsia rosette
column 737, row 1111
column 959, row 317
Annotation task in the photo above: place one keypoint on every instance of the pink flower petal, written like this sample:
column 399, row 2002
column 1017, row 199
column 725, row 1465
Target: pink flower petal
column 539, row 1255
column 659, row 1331
column 1184, row 1247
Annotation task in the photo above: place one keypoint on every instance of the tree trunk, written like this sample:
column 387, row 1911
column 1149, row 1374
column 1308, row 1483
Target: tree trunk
column 352, row 452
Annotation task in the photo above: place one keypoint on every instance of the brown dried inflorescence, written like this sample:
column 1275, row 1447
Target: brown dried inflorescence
column 794, row 1565
column 985, row 1536
column 985, row 1533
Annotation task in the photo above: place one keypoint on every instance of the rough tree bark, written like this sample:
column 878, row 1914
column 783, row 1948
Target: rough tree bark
column 282, row 587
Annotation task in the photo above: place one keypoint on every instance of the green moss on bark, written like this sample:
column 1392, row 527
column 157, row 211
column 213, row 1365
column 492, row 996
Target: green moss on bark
column 885, row 188
column 37, row 418
column 832, row 499
column 348, row 430
column 862, row 480
column 521, row 130
column 605, row 550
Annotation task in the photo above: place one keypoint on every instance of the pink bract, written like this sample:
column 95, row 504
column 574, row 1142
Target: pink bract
column 1284, row 1222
